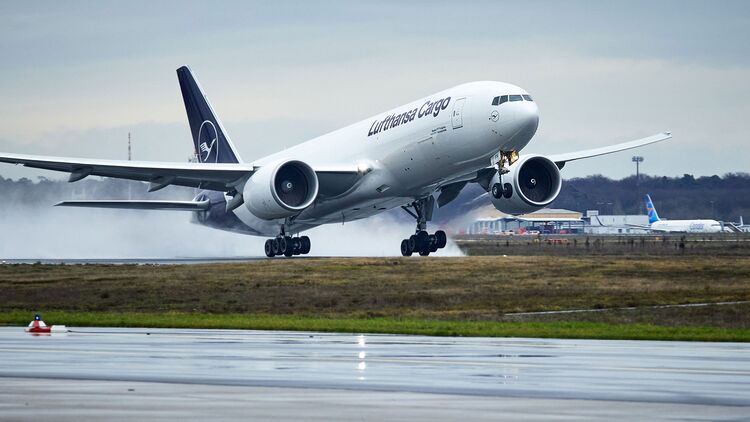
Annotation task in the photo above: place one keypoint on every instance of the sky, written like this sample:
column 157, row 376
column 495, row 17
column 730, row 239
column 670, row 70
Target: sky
column 76, row 77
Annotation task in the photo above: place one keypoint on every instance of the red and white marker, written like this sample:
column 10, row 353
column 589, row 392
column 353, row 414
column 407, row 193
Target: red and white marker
column 38, row 326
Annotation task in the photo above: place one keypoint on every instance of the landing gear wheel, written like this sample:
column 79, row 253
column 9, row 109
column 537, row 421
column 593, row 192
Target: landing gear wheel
column 442, row 239
column 507, row 191
column 288, row 250
column 405, row 249
column 423, row 241
column 269, row 248
column 304, row 245
column 412, row 243
column 289, row 247
column 296, row 246
column 282, row 245
column 497, row 191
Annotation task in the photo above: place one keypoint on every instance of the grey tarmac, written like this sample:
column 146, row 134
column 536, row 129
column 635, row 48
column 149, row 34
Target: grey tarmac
column 111, row 374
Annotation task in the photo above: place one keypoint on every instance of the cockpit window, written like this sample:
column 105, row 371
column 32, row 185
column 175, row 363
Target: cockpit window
column 499, row 100
column 515, row 98
column 527, row 97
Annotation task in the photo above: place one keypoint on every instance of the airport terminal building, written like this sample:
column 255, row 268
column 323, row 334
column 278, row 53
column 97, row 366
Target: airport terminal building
column 489, row 221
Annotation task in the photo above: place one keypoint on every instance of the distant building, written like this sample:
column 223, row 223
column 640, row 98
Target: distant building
column 488, row 220
column 615, row 224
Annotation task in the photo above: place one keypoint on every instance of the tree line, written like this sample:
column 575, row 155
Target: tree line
column 719, row 197
column 722, row 198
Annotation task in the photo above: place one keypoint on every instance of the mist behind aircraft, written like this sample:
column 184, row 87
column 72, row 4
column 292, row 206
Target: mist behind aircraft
column 46, row 232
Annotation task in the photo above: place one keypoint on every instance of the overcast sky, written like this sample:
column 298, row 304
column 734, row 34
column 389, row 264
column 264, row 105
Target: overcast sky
column 76, row 77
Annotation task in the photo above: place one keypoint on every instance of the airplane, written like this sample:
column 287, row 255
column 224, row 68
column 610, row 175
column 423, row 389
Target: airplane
column 681, row 226
column 742, row 226
column 413, row 156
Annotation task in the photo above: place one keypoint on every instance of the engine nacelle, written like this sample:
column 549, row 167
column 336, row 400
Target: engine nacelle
column 533, row 183
column 281, row 189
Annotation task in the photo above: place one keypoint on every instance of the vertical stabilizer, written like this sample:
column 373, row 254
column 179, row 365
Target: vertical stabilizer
column 652, row 215
column 212, row 144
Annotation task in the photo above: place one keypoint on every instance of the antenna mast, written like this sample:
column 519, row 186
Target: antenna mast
column 130, row 158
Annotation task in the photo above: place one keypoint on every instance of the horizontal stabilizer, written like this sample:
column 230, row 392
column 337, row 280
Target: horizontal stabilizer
column 140, row 205
column 731, row 227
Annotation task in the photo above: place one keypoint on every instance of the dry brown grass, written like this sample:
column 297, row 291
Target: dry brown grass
column 468, row 288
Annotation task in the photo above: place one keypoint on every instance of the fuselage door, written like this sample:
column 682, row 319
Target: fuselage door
column 457, row 118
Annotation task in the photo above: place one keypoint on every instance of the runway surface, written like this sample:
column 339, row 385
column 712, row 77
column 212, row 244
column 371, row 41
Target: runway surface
column 117, row 374
column 144, row 261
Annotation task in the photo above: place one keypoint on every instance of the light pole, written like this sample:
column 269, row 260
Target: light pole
column 637, row 159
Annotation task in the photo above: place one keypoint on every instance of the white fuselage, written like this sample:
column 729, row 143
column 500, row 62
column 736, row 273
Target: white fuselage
column 687, row 226
column 410, row 151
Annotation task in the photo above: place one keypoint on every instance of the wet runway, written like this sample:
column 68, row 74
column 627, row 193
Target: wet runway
column 144, row 261
column 262, row 375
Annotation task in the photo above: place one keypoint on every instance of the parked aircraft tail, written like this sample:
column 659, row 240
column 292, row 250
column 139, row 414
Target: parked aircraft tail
column 212, row 144
column 652, row 215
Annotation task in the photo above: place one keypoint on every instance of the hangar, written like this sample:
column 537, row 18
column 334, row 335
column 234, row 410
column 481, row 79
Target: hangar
column 489, row 221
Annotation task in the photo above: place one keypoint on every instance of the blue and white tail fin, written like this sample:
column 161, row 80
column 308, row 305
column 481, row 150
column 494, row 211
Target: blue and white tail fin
column 652, row 215
column 212, row 144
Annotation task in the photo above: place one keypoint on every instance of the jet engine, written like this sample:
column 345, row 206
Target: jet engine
column 281, row 189
column 532, row 183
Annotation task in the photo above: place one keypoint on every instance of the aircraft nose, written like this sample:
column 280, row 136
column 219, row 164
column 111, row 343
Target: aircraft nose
column 527, row 117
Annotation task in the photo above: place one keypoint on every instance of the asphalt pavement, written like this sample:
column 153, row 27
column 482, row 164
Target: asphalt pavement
column 118, row 374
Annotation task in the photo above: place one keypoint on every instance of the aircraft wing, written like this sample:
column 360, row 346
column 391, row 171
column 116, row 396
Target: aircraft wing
column 221, row 177
column 561, row 159
column 450, row 191
column 139, row 205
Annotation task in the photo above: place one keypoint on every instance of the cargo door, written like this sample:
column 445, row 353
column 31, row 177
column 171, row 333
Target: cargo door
column 457, row 118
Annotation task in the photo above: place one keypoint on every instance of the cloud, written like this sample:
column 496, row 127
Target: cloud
column 75, row 79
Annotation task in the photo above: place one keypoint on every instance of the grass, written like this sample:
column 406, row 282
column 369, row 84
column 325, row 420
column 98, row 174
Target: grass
column 577, row 330
column 441, row 296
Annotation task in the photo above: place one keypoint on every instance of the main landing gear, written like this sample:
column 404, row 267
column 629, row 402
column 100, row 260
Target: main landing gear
column 287, row 246
column 423, row 242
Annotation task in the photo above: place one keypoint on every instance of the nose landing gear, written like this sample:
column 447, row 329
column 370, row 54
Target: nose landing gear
column 422, row 242
column 504, row 190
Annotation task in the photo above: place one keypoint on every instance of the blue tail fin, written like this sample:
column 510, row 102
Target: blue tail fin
column 652, row 215
column 212, row 144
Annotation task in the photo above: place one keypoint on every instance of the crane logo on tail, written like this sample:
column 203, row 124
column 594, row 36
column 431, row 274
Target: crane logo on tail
column 207, row 138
